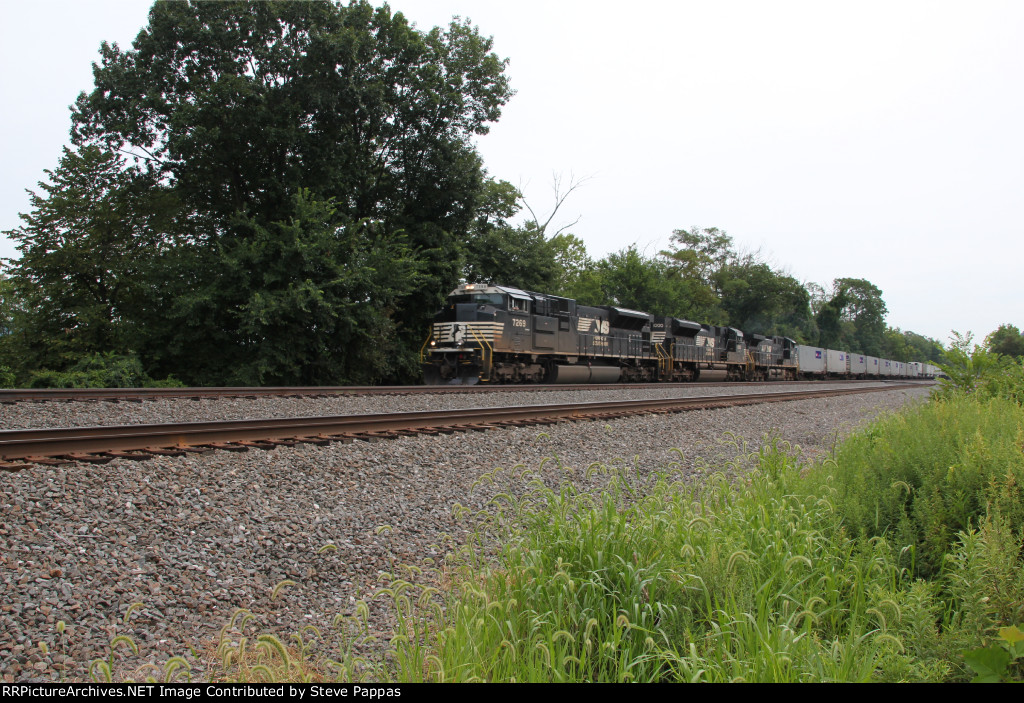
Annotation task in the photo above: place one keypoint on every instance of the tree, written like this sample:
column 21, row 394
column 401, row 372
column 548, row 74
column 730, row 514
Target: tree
column 8, row 305
column 304, row 323
column 497, row 252
column 1007, row 340
column 910, row 346
column 542, row 223
column 759, row 299
column 866, row 310
column 629, row 279
column 251, row 112
column 523, row 256
column 853, row 318
column 696, row 258
column 86, row 251
column 572, row 260
column 829, row 321
column 698, row 254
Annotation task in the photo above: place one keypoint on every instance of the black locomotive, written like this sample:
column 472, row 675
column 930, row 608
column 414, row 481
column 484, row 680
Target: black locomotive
column 498, row 334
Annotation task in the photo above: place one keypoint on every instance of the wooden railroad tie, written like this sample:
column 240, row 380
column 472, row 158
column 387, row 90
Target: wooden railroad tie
column 131, row 456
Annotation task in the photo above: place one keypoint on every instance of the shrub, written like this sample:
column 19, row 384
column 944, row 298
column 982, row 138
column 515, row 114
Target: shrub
column 974, row 371
column 101, row 370
column 922, row 477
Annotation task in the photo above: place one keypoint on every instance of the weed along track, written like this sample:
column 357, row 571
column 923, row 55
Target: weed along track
column 194, row 535
column 20, row 448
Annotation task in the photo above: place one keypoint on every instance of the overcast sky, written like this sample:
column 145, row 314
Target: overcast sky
column 877, row 140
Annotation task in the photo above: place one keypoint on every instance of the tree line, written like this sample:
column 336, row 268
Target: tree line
column 285, row 192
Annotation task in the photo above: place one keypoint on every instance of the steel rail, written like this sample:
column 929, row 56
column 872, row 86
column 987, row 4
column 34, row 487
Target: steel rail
column 14, row 395
column 78, row 442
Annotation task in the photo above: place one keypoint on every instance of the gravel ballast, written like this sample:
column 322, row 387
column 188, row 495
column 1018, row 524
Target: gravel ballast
column 53, row 414
column 193, row 538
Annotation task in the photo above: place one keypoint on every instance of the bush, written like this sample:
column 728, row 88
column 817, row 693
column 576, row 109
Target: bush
column 101, row 370
column 973, row 370
column 922, row 477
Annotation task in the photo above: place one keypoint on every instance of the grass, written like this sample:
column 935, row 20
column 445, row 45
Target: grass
column 883, row 564
column 886, row 562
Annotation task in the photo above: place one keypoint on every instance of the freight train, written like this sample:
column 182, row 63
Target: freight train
column 499, row 334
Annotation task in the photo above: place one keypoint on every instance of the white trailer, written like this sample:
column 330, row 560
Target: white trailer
column 837, row 363
column 858, row 365
column 811, row 361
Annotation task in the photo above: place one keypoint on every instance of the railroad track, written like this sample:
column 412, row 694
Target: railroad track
column 20, row 449
column 17, row 395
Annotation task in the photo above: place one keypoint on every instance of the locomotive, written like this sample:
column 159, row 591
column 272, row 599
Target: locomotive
column 499, row 334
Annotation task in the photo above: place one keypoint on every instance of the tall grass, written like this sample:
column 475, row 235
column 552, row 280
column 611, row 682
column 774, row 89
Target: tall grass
column 885, row 563
column 922, row 477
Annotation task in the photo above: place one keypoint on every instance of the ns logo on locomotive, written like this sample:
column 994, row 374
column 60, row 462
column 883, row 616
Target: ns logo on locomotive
column 498, row 334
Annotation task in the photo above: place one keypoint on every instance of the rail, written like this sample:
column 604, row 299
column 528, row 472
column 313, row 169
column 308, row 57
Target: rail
column 144, row 441
column 17, row 395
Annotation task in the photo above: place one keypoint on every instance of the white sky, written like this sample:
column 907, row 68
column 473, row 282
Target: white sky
column 877, row 140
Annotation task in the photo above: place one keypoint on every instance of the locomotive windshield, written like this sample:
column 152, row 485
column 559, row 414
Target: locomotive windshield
column 480, row 299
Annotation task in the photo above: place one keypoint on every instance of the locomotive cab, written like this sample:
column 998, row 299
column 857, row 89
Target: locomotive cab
column 466, row 329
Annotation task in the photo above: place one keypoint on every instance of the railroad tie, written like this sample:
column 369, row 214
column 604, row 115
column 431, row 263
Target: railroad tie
column 131, row 456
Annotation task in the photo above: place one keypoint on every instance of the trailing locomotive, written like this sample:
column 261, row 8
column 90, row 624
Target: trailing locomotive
column 498, row 334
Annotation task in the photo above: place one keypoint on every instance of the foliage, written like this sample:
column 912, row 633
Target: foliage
column 7, row 305
column 630, row 279
column 659, row 580
column 86, row 251
column 1008, row 384
column 696, row 257
column 250, row 113
column 923, row 477
column 699, row 254
column 572, row 260
column 525, row 256
column 853, row 317
column 497, row 252
column 7, row 311
column 101, row 370
column 996, row 663
column 759, row 299
column 968, row 368
column 302, row 320
column 1007, row 341
column 270, row 97
column 909, row 346
column 727, row 287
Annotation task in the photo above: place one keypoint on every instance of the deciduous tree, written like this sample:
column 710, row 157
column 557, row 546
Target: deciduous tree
column 1007, row 340
column 498, row 252
column 253, row 112
column 94, row 235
